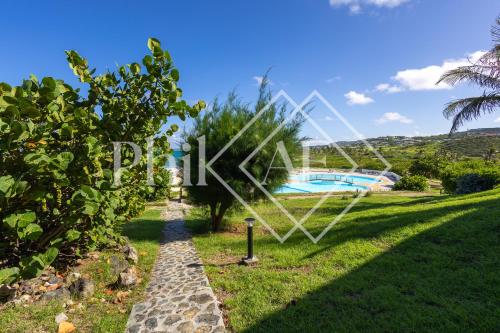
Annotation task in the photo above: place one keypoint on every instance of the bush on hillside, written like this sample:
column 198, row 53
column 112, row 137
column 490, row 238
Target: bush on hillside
column 412, row 183
column 401, row 167
column 429, row 166
column 472, row 182
column 487, row 174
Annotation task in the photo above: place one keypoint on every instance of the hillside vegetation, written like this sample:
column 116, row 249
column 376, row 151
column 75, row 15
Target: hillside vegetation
column 399, row 150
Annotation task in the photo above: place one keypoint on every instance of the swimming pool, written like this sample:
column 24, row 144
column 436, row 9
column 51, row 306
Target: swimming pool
column 325, row 182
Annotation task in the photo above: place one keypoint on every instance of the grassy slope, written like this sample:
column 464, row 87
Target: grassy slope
column 393, row 264
column 97, row 316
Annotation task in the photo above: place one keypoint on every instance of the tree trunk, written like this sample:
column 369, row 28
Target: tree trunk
column 217, row 223
column 217, row 216
column 213, row 215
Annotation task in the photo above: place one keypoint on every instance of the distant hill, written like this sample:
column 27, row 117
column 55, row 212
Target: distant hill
column 399, row 150
column 484, row 133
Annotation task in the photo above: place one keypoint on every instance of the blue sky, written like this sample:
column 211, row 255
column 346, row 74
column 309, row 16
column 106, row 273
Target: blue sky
column 369, row 58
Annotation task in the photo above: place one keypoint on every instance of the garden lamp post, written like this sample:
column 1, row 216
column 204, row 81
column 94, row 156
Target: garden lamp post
column 250, row 258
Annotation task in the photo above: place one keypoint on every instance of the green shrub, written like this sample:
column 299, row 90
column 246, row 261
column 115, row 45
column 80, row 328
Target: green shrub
column 161, row 190
column 487, row 175
column 429, row 166
column 56, row 157
column 412, row 183
column 471, row 183
column 401, row 167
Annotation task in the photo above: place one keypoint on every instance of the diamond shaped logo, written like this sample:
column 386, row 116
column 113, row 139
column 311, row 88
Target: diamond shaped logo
column 297, row 223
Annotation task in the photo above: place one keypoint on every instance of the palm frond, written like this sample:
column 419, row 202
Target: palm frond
column 483, row 76
column 467, row 109
column 495, row 31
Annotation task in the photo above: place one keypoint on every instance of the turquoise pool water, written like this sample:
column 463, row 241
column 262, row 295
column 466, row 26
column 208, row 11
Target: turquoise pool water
column 328, row 182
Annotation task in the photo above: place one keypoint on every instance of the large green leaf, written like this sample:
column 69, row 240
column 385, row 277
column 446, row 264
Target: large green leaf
column 33, row 266
column 174, row 74
column 90, row 208
column 49, row 83
column 135, row 68
column 4, row 127
column 31, row 232
column 6, row 183
column 153, row 44
column 10, row 100
column 72, row 235
column 50, row 255
column 64, row 159
column 20, row 220
column 8, row 275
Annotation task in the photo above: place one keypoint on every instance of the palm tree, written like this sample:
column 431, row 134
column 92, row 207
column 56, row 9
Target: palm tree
column 485, row 73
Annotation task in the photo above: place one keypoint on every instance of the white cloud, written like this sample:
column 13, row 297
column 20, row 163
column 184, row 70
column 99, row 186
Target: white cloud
column 425, row 78
column 386, row 3
column 357, row 98
column 355, row 6
column 497, row 120
column 385, row 87
column 259, row 80
column 333, row 79
column 393, row 117
column 328, row 118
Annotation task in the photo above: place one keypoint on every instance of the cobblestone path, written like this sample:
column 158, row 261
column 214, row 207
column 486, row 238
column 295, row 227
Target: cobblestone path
column 178, row 297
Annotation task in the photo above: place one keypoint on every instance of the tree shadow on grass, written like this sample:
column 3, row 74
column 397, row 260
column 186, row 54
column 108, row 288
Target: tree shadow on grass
column 444, row 279
column 148, row 227
column 370, row 226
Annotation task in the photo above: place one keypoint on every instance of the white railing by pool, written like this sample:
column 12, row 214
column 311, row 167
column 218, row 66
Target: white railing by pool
column 334, row 177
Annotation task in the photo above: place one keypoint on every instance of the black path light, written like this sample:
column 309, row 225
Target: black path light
column 250, row 258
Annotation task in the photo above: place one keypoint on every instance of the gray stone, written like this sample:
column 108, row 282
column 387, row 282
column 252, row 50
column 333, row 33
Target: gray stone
column 118, row 264
column 131, row 253
column 139, row 307
column 61, row 294
column 82, row 288
column 134, row 328
column 128, row 277
column 61, row 317
column 6, row 292
column 209, row 319
column 151, row 323
column 72, row 278
column 185, row 327
column 201, row 299
column 172, row 319
column 26, row 299
column 139, row 317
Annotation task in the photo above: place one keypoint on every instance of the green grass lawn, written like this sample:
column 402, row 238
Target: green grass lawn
column 393, row 264
column 100, row 315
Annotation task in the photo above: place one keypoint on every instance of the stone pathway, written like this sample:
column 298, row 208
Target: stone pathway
column 178, row 297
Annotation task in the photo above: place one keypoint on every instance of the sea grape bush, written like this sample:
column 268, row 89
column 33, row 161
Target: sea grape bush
column 428, row 165
column 470, row 176
column 472, row 182
column 56, row 157
column 412, row 183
